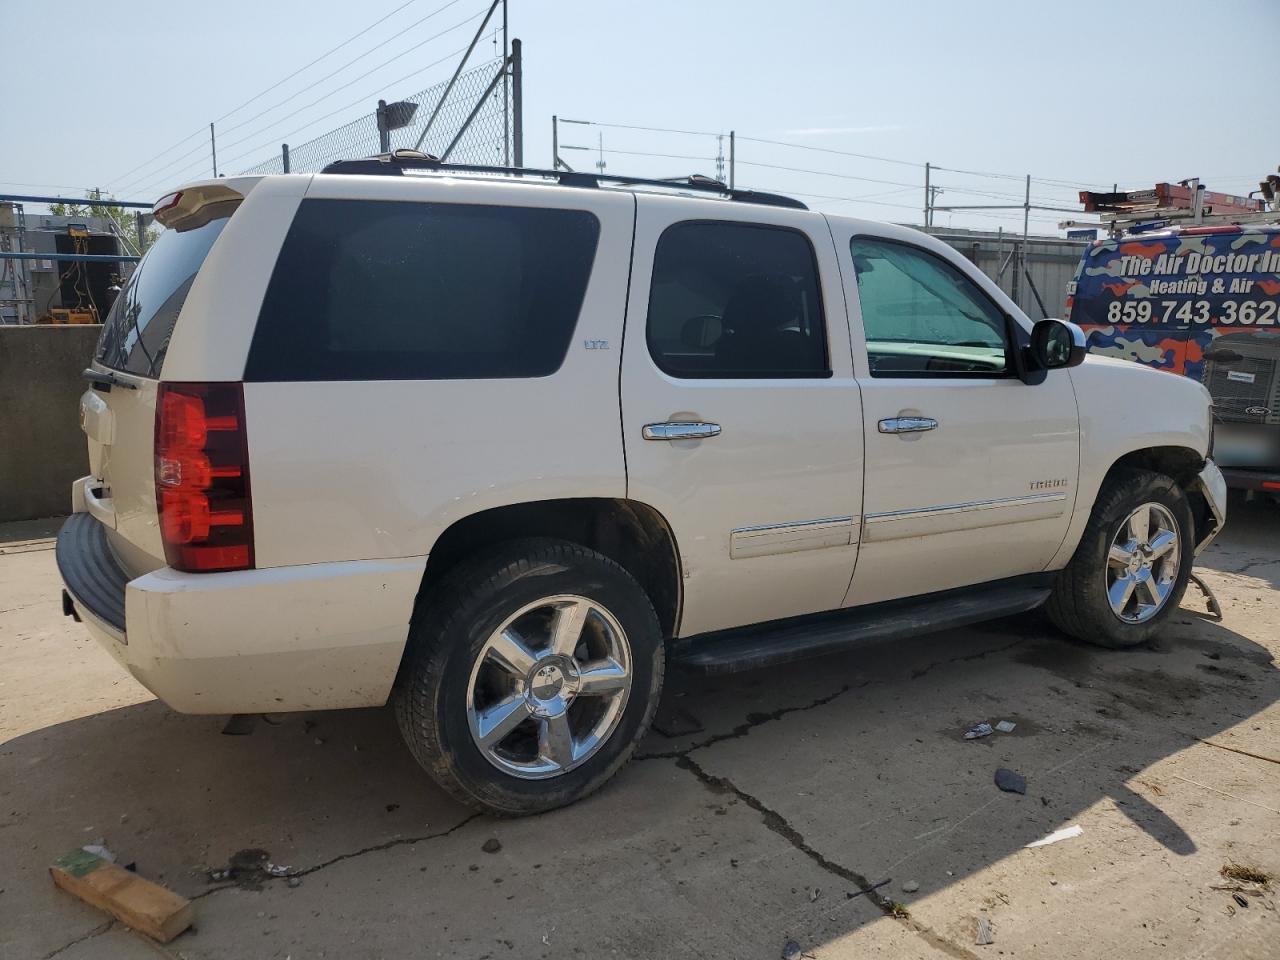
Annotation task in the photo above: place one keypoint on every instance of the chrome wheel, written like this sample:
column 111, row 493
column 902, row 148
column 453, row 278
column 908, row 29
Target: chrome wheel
column 549, row 687
column 1142, row 564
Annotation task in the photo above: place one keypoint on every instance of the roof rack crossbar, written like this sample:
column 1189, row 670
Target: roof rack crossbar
column 395, row 163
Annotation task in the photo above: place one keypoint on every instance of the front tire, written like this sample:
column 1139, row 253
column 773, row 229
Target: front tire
column 1132, row 565
column 532, row 673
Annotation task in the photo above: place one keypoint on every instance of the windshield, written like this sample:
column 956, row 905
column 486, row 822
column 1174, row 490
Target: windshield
column 135, row 334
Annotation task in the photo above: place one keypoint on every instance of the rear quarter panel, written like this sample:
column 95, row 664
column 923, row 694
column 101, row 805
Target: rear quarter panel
column 379, row 469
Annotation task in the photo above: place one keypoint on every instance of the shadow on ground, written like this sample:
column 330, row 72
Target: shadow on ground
column 801, row 789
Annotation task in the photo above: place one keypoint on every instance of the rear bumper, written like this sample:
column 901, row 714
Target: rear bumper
column 314, row 637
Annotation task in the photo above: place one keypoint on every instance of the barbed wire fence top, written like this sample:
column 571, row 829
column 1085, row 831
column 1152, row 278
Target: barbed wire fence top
column 485, row 141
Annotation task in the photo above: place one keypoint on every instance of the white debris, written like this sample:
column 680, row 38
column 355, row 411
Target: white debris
column 98, row 850
column 1006, row 726
column 983, row 935
column 1066, row 833
column 979, row 730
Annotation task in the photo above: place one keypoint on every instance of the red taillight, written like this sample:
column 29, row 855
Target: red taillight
column 166, row 202
column 1270, row 485
column 202, row 477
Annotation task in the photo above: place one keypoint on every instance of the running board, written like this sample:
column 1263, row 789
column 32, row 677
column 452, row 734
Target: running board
column 798, row 638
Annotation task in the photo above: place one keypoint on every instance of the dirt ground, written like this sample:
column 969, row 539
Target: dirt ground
column 802, row 788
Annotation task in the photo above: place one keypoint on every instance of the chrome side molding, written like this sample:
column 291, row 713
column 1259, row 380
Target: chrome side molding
column 775, row 538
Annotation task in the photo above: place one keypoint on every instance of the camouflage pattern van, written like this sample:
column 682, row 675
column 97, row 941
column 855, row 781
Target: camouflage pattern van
column 1204, row 303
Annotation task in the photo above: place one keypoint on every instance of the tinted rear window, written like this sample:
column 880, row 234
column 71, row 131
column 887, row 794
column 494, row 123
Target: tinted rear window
column 736, row 300
column 381, row 290
column 135, row 334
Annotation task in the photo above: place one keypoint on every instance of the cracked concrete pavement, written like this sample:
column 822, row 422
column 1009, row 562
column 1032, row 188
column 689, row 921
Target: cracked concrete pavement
column 806, row 800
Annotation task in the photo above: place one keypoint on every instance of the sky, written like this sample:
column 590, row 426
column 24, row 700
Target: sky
column 1078, row 94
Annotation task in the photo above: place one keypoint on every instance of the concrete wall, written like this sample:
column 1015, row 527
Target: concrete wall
column 41, row 447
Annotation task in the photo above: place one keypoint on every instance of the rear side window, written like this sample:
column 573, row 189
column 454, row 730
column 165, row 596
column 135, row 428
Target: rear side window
column 136, row 332
column 736, row 300
column 383, row 290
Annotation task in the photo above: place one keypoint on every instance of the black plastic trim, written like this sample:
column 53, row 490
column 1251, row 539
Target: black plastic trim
column 394, row 165
column 815, row 635
column 93, row 575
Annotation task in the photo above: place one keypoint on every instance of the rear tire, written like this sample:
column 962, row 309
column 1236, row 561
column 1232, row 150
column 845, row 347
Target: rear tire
column 533, row 671
column 1132, row 565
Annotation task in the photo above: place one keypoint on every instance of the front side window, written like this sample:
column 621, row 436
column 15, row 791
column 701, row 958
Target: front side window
column 922, row 317
column 390, row 290
column 736, row 300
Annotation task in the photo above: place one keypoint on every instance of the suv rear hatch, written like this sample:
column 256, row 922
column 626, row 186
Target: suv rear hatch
column 118, row 411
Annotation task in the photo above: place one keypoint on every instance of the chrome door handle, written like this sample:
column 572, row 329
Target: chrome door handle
column 680, row 430
column 908, row 424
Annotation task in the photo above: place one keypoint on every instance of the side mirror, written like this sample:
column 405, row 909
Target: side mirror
column 1056, row 344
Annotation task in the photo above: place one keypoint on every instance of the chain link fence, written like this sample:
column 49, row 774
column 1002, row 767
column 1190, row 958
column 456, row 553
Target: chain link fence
column 486, row 140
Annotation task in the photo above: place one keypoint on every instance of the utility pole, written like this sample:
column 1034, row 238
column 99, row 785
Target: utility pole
column 506, row 92
column 517, row 104
column 600, row 164
column 213, row 149
column 928, row 197
column 731, row 139
column 555, row 142
column 284, row 156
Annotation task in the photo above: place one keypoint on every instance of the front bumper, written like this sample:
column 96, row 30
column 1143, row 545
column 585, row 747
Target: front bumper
column 314, row 637
column 1213, row 487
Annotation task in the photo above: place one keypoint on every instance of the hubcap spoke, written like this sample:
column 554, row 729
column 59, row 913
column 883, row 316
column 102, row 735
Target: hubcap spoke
column 1162, row 543
column 1151, row 590
column 566, row 628
column 1119, row 555
column 1120, row 592
column 1140, row 525
column 496, row 723
column 555, row 740
column 602, row 678
column 509, row 652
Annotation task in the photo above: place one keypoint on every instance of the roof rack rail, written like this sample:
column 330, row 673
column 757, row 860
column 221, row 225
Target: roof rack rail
column 398, row 161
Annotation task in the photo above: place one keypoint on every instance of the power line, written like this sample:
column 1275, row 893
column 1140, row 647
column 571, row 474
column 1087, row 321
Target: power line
column 354, row 81
column 632, row 126
column 640, row 153
column 824, row 173
column 327, row 53
column 157, row 156
column 198, row 148
column 202, row 130
column 315, row 120
column 364, row 99
column 334, row 73
column 827, row 196
column 842, row 153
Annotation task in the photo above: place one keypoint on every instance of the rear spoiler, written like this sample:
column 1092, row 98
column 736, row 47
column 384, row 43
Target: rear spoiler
column 176, row 208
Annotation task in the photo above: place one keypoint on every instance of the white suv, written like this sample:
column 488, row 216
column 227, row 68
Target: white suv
column 500, row 445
